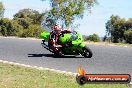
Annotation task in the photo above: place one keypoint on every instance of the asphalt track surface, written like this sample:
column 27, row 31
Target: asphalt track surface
column 106, row 59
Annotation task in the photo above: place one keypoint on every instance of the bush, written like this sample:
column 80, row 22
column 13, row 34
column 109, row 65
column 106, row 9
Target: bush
column 85, row 38
column 9, row 27
column 128, row 36
column 94, row 38
column 32, row 31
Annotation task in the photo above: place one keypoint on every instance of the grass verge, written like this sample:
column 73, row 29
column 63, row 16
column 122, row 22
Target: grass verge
column 107, row 43
column 12, row 76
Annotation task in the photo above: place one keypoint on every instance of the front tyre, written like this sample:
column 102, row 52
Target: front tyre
column 87, row 52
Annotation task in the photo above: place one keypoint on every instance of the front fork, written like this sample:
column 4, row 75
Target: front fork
column 81, row 45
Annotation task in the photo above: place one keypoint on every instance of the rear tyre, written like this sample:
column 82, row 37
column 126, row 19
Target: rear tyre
column 87, row 52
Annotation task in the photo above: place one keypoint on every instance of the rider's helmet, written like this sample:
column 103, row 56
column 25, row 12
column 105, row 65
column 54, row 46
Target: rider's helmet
column 57, row 28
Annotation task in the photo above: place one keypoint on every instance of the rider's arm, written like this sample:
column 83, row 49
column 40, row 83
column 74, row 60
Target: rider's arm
column 66, row 31
column 51, row 39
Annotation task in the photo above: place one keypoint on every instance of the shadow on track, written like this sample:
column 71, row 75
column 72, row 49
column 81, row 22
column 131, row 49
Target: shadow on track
column 53, row 56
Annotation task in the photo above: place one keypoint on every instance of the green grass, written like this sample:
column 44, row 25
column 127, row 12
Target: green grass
column 21, row 77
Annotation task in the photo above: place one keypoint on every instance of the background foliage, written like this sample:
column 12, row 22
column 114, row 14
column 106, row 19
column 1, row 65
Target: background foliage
column 25, row 23
column 1, row 10
column 94, row 38
column 65, row 12
column 119, row 30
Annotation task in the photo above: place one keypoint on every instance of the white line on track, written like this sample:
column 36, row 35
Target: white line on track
column 39, row 68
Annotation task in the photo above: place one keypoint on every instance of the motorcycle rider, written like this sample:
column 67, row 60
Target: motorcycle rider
column 54, row 37
column 53, row 40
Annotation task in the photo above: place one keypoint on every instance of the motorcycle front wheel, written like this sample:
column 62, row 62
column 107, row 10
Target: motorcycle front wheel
column 87, row 52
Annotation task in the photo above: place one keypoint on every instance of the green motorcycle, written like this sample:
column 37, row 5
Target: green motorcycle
column 72, row 44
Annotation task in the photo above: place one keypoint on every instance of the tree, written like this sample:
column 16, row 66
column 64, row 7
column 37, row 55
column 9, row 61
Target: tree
column 30, row 20
column 26, row 23
column 3, row 30
column 9, row 27
column 94, row 38
column 128, row 24
column 128, row 36
column 66, row 11
column 1, row 10
column 32, row 31
column 32, row 16
column 128, row 32
column 85, row 37
column 23, row 22
column 115, row 28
